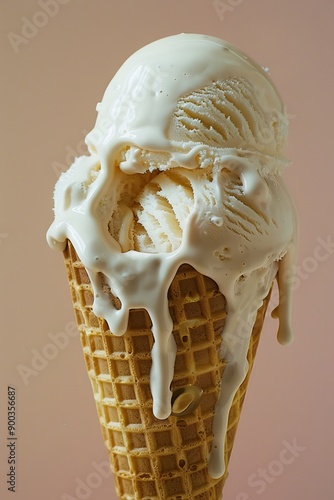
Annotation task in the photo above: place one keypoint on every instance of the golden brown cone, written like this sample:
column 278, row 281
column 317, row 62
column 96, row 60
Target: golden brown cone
column 155, row 459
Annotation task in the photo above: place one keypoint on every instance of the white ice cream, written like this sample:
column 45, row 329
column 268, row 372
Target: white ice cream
column 185, row 167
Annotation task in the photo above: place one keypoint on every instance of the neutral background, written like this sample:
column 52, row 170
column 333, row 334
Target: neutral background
column 57, row 58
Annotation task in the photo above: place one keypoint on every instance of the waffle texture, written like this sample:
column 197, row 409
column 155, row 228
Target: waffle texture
column 155, row 459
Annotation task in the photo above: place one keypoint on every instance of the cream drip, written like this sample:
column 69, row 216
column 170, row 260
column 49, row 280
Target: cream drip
column 241, row 227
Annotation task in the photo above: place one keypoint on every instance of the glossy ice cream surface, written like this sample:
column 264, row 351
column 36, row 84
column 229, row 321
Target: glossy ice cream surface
column 185, row 166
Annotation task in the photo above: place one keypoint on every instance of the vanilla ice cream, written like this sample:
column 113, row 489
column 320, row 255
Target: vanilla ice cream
column 185, row 166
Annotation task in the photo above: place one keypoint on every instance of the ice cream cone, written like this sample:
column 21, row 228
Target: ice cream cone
column 179, row 221
column 151, row 458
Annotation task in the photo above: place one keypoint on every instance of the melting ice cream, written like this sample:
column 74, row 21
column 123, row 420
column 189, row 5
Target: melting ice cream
column 185, row 166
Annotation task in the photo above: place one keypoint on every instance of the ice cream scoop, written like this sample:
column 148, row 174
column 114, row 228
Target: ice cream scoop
column 185, row 167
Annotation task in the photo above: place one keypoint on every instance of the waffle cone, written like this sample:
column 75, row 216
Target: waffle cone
column 155, row 459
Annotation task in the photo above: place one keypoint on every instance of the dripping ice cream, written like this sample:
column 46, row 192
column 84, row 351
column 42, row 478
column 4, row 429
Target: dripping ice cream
column 185, row 167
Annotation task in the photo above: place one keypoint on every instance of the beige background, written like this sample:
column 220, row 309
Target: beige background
column 52, row 78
